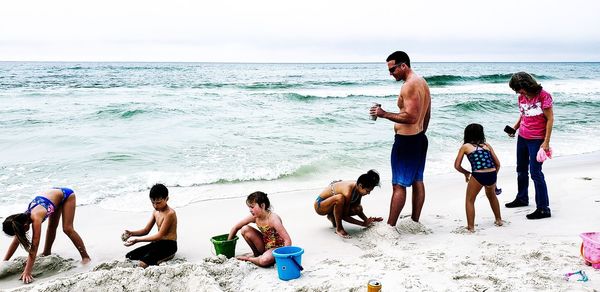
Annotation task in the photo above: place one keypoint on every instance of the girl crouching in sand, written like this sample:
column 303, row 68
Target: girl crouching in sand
column 270, row 234
column 341, row 200
column 51, row 204
column 484, row 169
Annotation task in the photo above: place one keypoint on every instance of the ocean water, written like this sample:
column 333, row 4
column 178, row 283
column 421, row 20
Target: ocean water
column 209, row 131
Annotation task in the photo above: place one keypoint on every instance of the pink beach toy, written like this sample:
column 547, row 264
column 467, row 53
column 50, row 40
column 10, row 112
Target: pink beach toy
column 582, row 276
column 542, row 155
column 590, row 248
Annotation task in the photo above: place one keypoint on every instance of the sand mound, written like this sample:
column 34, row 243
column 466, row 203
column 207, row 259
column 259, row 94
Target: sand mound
column 491, row 266
column 43, row 267
column 183, row 277
column 377, row 232
column 376, row 235
column 214, row 274
column 409, row 226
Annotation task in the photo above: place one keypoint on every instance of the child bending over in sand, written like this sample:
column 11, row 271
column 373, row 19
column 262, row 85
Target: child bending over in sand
column 50, row 204
column 270, row 234
column 341, row 200
column 163, row 244
column 484, row 169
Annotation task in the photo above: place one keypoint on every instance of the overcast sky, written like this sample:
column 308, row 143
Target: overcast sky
column 299, row 31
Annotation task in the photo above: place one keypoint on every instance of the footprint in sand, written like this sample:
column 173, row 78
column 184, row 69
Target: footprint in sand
column 372, row 255
column 522, row 211
column 330, row 262
column 464, row 230
column 435, row 256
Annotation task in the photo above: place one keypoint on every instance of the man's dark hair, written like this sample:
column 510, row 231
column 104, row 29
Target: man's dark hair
column 159, row 191
column 399, row 57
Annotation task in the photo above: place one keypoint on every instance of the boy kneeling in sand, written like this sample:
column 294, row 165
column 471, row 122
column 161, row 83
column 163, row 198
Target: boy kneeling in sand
column 163, row 244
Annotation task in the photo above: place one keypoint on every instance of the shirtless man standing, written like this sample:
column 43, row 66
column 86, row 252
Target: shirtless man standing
column 410, row 145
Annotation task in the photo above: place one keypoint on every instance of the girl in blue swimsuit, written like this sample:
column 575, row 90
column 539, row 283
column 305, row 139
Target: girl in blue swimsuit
column 484, row 169
column 50, row 205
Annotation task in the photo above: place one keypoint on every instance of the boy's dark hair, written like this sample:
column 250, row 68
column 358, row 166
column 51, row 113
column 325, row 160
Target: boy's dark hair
column 14, row 225
column 369, row 180
column 522, row 80
column 159, row 191
column 399, row 57
column 474, row 134
column 259, row 198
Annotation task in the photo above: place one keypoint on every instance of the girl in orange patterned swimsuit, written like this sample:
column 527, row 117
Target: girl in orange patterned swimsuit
column 270, row 234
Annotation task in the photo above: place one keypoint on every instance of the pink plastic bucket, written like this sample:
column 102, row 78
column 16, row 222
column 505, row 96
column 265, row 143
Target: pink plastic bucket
column 590, row 248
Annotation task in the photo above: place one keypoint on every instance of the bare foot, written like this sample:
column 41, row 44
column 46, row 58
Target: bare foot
column 471, row 229
column 243, row 258
column 86, row 261
column 499, row 222
column 342, row 233
column 332, row 220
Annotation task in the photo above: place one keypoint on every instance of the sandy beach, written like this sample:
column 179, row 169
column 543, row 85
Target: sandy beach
column 436, row 255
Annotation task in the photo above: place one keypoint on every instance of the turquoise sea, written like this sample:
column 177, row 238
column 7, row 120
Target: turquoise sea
column 219, row 130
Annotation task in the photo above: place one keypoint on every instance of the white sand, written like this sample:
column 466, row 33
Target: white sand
column 434, row 255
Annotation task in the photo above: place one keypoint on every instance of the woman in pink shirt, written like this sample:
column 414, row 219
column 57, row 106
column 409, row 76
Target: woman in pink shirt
column 535, row 127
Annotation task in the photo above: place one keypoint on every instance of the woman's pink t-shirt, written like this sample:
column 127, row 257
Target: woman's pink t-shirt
column 533, row 121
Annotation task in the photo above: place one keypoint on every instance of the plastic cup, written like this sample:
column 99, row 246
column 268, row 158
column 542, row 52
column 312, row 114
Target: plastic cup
column 374, row 117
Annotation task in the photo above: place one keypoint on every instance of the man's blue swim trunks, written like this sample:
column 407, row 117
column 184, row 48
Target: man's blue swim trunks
column 408, row 159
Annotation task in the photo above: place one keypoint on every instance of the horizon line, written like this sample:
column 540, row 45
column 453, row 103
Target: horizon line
column 283, row 63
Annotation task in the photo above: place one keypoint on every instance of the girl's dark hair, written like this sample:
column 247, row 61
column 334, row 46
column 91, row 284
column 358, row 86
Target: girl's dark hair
column 474, row 134
column 369, row 180
column 259, row 198
column 522, row 80
column 14, row 225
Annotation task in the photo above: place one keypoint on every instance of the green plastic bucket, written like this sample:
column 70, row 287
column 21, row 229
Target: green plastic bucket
column 224, row 246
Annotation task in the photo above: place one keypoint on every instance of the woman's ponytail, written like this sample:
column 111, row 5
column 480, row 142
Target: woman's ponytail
column 369, row 180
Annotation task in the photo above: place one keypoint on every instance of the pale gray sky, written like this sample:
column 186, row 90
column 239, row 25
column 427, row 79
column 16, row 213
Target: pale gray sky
column 299, row 31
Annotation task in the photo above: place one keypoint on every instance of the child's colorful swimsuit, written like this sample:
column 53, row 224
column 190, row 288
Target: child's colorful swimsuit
column 482, row 159
column 270, row 237
column 47, row 204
